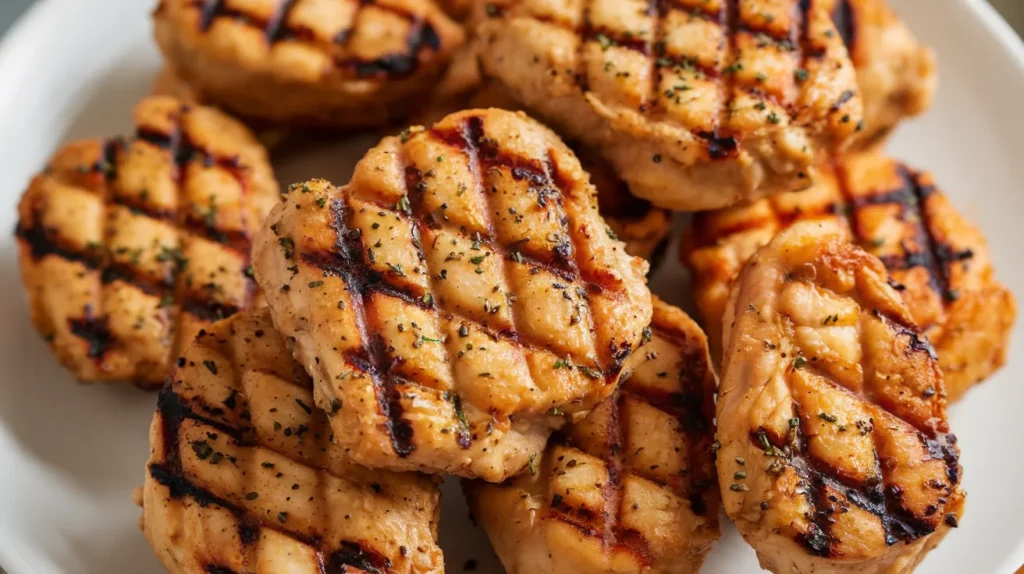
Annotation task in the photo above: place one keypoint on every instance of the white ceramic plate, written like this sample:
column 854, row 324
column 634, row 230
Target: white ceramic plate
column 70, row 455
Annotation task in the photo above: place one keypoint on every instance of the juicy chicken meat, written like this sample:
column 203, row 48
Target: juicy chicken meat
column 835, row 455
column 129, row 246
column 939, row 262
column 697, row 104
column 243, row 474
column 455, row 296
column 631, row 487
column 896, row 73
column 334, row 64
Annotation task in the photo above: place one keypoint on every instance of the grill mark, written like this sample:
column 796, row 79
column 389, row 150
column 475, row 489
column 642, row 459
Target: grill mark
column 719, row 147
column 183, row 150
column 174, row 410
column 354, row 555
column 111, row 148
column 414, row 190
column 841, row 101
column 208, row 310
column 728, row 20
column 421, row 36
column 941, row 255
column 582, row 78
column 901, row 329
column 694, row 408
column 611, row 494
column 95, row 332
column 125, row 273
column 139, row 207
column 208, row 12
column 656, row 9
column 373, row 359
column 43, row 243
column 845, row 19
column 276, row 24
column 628, row 540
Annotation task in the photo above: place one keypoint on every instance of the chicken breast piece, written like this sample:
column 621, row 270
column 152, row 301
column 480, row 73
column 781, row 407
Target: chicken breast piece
column 455, row 295
column 897, row 74
column 129, row 246
column 243, row 474
column 836, row 456
column 697, row 104
column 629, row 488
column 313, row 63
column 938, row 261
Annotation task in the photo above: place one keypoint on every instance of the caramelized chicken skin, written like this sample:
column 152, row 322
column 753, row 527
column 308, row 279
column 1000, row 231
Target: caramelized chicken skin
column 129, row 246
column 631, row 487
column 311, row 63
column 938, row 260
column 835, row 451
column 697, row 104
column 243, row 474
column 452, row 298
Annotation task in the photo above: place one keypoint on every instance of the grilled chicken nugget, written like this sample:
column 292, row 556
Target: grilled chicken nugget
column 318, row 63
column 896, row 74
column 630, row 488
column 697, row 104
column 939, row 262
column 128, row 246
column 835, row 450
column 243, row 475
column 455, row 295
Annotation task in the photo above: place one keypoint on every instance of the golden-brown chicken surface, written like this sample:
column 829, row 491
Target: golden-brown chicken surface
column 697, row 104
column 243, row 474
column 835, row 455
column 129, row 246
column 459, row 291
column 896, row 74
column 317, row 63
column 630, row 488
column 938, row 260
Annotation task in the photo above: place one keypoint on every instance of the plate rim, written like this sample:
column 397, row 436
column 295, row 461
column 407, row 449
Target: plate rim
column 19, row 35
